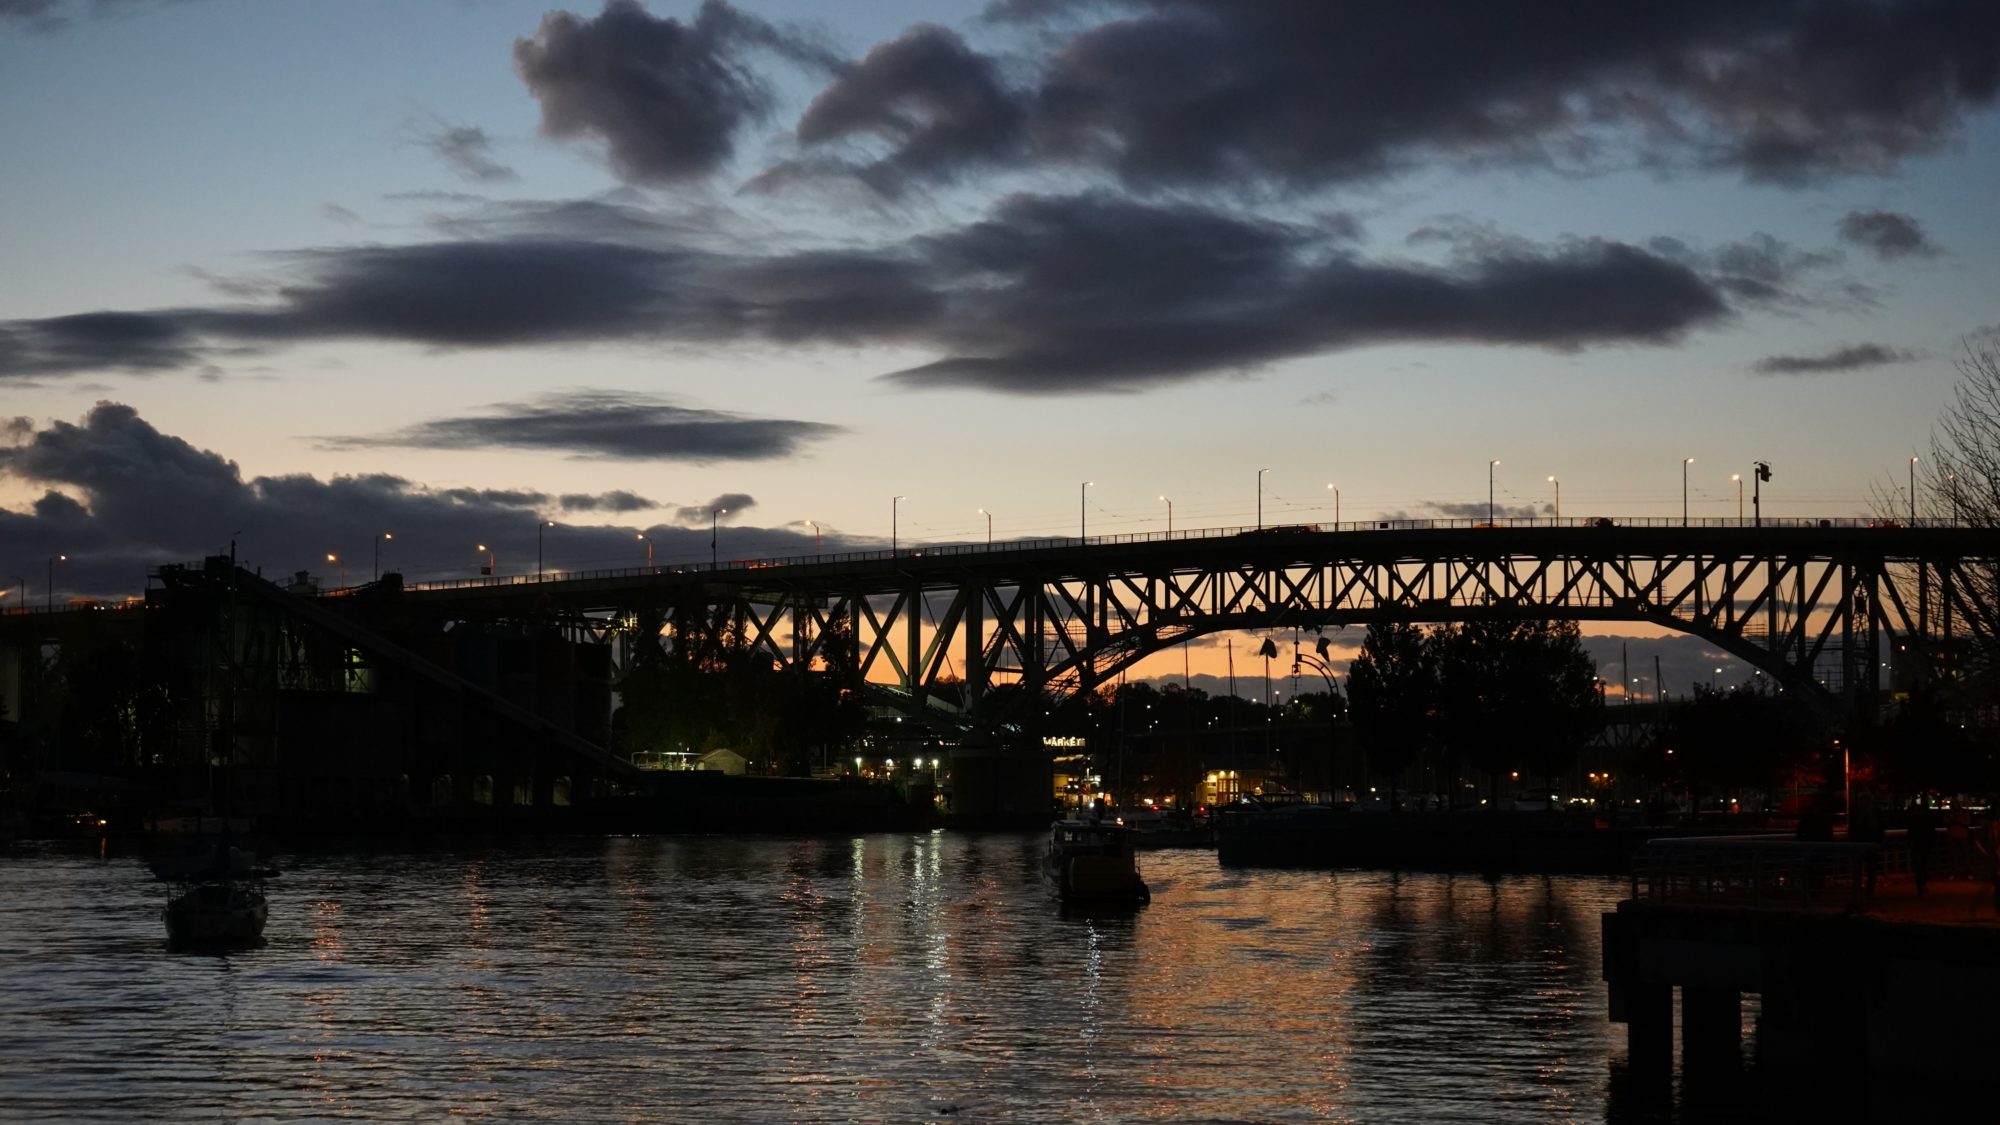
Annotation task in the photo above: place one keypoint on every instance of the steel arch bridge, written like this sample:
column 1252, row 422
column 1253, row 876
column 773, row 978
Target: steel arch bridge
column 998, row 632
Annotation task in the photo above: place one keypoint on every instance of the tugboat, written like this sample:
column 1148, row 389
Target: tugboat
column 1091, row 862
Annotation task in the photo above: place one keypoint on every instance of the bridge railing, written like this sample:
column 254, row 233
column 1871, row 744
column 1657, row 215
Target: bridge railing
column 1276, row 532
column 1268, row 531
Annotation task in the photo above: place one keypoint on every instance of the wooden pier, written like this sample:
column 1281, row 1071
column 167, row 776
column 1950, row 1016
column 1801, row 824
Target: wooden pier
column 1877, row 1003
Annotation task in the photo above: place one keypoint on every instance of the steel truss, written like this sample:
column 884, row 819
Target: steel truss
column 1000, row 633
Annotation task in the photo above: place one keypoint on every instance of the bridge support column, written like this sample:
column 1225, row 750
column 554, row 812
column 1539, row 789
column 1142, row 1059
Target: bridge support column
column 1649, row 1026
column 1711, row 1032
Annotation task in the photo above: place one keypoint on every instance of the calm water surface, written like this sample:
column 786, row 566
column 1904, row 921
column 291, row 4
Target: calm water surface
column 895, row 978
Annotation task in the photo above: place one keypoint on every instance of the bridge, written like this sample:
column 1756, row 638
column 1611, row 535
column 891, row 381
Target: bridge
column 997, row 631
column 994, row 633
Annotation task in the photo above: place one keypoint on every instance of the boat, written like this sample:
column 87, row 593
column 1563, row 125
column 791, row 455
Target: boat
column 1092, row 862
column 215, row 914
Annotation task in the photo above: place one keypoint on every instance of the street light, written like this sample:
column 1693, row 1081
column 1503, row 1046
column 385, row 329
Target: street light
column 1335, row 489
column 1082, row 524
column 893, row 505
column 1913, row 491
column 1685, row 462
column 51, row 599
column 714, row 517
column 1489, row 490
column 815, row 528
column 1260, row 498
column 1170, row 516
column 541, row 525
column 1953, row 479
column 1762, row 473
column 335, row 559
column 989, row 527
column 492, row 567
column 1559, row 497
column 640, row 536
column 1738, row 478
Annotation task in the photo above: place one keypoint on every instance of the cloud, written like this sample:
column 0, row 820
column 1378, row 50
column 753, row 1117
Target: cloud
column 1171, row 93
column 1046, row 295
column 1092, row 293
column 1888, row 235
column 468, row 151
column 667, row 98
column 610, row 425
column 98, row 341
column 938, row 104
column 715, row 511
column 121, row 497
column 1850, row 358
column 616, row 501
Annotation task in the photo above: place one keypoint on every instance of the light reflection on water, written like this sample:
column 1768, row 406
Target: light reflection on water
column 878, row 978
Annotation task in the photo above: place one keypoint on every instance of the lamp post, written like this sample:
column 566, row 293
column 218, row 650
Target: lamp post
column 989, row 527
column 714, row 519
column 641, row 537
column 492, row 567
column 1738, row 478
column 541, row 525
column 376, row 544
column 1761, row 472
column 335, row 560
column 1952, row 479
column 1335, row 489
column 815, row 528
column 1324, row 668
column 1082, row 523
column 1489, row 490
column 51, row 597
column 1913, row 491
column 894, row 504
column 1170, row 516
column 1260, row 498
column 1559, row 497
column 1685, row 462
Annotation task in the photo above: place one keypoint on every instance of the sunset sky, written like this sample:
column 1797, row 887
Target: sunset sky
column 298, row 274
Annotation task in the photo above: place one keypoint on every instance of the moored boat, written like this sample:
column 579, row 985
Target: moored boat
column 1092, row 862
column 215, row 914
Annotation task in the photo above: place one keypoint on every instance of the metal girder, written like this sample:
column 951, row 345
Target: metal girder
column 1052, row 620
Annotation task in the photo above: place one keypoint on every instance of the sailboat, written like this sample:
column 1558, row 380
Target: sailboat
column 222, row 905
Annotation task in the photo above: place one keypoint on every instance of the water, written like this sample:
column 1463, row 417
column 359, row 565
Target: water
column 892, row 978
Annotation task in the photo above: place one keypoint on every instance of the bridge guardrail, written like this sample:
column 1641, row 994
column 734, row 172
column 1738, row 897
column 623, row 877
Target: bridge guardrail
column 1013, row 546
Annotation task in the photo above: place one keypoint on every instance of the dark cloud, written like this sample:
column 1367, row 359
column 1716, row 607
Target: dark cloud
column 616, row 501
column 1841, row 359
column 1049, row 294
column 122, row 497
column 98, row 341
column 667, row 98
column 472, row 294
column 605, row 424
column 468, row 151
column 1092, row 293
column 718, row 510
column 938, row 104
column 1181, row 92
column 1888, row 235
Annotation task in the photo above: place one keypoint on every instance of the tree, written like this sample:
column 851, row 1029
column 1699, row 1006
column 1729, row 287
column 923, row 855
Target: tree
column 1963, row 484
column 1391, row 688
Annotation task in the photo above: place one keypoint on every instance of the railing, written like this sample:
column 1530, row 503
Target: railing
column 1776, row 872
column 1269, row 532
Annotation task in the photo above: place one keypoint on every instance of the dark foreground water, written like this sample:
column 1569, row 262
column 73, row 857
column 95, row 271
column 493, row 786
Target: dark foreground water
column 895, row 978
